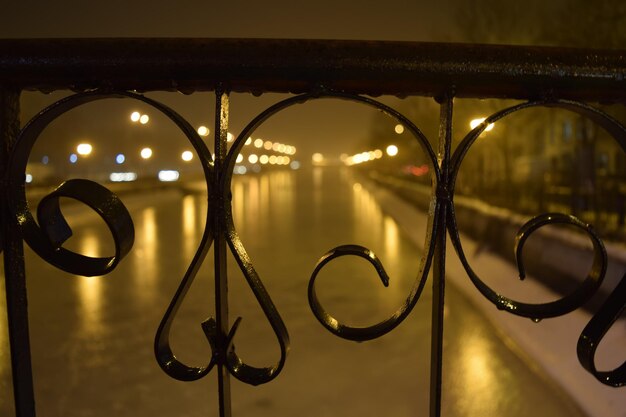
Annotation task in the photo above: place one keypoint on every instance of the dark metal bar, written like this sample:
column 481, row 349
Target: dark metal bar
column 439, row 265
column 363, row 67
column 220, row 247
column 14, row 273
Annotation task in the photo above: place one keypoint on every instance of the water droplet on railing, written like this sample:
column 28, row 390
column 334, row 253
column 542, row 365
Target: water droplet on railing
column 536, row 320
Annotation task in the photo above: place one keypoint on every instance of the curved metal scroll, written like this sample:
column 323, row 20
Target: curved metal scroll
column 613, row 306
column 237, row 367
column 338, row 329
column 329, row 322
column 47, row 240
column 594, row 278
column 594, row 332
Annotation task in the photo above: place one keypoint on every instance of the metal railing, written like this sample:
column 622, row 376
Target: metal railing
column 351, row 70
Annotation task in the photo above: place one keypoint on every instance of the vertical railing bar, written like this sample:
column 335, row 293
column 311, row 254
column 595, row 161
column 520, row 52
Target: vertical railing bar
column 439, row 266
column 217, row 201
column 14, row 269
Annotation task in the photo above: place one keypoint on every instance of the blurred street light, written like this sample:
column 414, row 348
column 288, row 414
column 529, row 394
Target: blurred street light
column 84, row 149
column 317, row 158
column 476, row 122
column 392, row 150
column 399, row 129
column 203, row 131
column 187, row 156
column 146, row 153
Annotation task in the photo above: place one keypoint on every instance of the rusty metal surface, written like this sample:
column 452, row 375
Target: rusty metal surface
column 364, row 67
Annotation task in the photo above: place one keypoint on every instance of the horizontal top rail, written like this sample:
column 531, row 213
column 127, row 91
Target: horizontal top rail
column 297, row 65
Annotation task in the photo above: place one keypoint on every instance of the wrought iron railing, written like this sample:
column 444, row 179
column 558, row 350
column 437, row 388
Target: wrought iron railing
column 355, row 71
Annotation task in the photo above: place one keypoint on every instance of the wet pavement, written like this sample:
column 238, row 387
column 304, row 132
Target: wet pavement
column 92, row 337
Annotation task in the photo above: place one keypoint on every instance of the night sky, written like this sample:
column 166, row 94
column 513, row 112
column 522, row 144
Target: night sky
column 328, row 126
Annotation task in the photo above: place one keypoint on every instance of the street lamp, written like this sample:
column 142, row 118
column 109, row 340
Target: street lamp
column 399, row 129
column 203, row 131
column 138, row 117
column 187, row 156
column 146, row 153
column 84, row 149
column 392, row 150
column 476, row 122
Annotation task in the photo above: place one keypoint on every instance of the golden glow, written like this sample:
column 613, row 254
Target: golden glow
column 392, row 150
column 248, row 141
column 267, row 145
column 203, row 131
column 272, row 160
column 317, row 158
column 144, row 119
column 239, row 158
column 190, row 229
column 399, row 129
column 84, row 149
column 258, row 143
column 90, row 288
column 146, row 153
column 229, row 137
column 476, row 122
column 238, row 205
column 253, row 158
column 264, row 159
column 392, row 238
column 187, row 156
column 145, row 262
column 134, row 116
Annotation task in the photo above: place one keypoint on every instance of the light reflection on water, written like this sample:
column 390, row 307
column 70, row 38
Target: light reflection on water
column 90, row 289
column 146, row 262
column 309, row 219
column 190, row 228
column 478, row 368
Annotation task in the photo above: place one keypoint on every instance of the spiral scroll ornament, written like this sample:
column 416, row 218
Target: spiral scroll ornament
column 47, row 237
column 599, row 324
column 613, row 306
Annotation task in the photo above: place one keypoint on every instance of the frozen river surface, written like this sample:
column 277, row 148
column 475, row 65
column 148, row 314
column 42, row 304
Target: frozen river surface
column 92, row 338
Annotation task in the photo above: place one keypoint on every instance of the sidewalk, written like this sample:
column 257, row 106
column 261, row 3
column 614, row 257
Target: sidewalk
column 550, row 344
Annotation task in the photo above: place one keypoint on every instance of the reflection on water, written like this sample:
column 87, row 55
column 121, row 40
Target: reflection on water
column 90, row 294
column 391, row 239
column 148, row 240
column 104, row 365
column 478, row 368
column 190, row 228
column 90, row 288
column 146, row 261
column 263, row 204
